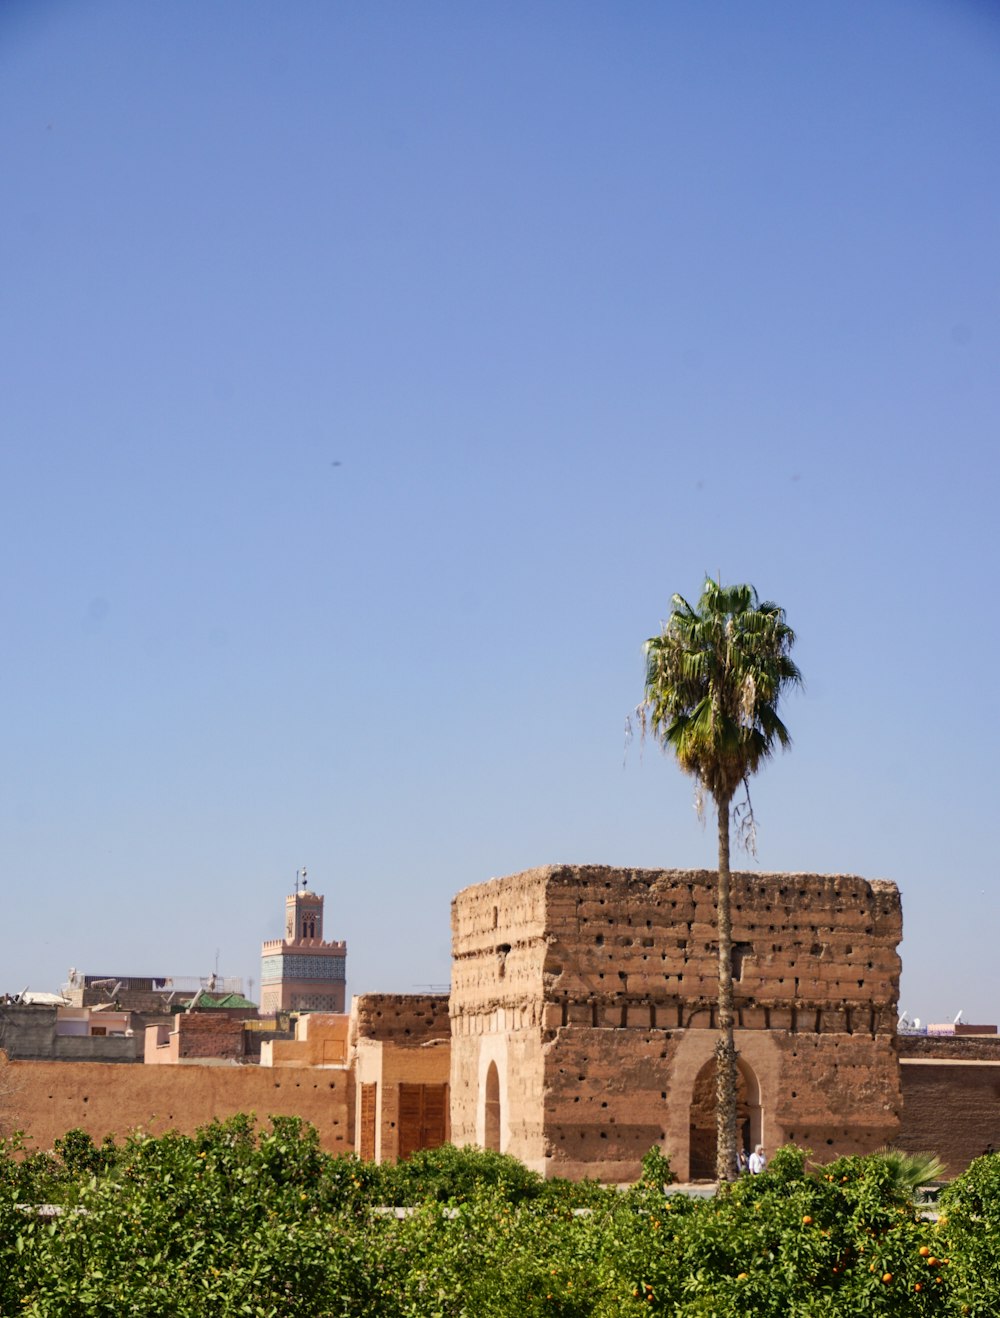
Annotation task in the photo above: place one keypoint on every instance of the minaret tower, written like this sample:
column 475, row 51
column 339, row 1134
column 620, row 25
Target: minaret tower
column 302, row 972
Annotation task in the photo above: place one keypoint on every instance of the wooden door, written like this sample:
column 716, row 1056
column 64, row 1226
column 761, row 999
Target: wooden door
column 369, row 1109
column 423, row 1116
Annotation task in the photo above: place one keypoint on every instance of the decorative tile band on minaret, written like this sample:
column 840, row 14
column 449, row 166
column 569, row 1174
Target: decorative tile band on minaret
column 303, row 972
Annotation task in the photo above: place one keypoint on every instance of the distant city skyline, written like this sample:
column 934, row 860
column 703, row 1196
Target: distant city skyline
column 370, row 380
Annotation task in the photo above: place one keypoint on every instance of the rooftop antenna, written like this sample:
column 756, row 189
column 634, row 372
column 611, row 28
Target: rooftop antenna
column 958, row 1019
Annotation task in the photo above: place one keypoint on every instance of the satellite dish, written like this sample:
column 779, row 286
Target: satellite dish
column 958, row 1019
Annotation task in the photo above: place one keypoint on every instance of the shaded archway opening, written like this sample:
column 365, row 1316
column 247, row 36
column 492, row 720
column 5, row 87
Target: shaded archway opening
column 703, row 1119
column 491, row 1129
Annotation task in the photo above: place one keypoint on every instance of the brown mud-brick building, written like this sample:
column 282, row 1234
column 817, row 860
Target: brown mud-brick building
column 583, row 1010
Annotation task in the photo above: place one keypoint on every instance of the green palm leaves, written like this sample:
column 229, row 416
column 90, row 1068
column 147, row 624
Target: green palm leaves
column 714, row 677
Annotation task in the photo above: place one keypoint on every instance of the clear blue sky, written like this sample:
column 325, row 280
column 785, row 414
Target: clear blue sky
column 372, row 375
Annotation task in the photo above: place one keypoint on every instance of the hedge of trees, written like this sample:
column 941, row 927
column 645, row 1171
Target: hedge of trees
column 240, row 1221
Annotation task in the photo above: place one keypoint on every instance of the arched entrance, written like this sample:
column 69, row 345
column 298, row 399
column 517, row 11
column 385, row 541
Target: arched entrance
column 491, row 1127
column 703, row 1121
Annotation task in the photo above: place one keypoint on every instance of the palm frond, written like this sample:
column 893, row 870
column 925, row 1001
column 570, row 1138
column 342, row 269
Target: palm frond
column 715, row 675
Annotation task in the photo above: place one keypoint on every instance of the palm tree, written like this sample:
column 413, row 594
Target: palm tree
column 714, row 677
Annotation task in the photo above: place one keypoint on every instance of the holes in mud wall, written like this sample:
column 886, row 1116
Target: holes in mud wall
column 599, row 940
column 740, row 952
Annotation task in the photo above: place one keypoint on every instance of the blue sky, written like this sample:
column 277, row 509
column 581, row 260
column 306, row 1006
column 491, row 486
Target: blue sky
column 370, row 378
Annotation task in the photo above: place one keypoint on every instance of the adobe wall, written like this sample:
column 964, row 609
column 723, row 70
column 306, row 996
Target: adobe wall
column 497, row 1004
column 321, row 1039
column 397, row 1038
column 46, row 1099
column 387, row 1065
column 403, row 1018
column 951, row 1098
column 594, row 990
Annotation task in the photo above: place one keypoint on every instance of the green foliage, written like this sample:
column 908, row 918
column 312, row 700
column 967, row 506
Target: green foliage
column 80, row 1156
column 969, row 1236
column 714, row 679
column 450, row 1175
column 261, row 1223
column 656, row 1169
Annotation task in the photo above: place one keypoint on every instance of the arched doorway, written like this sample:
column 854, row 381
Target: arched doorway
column 491, row 1127
column 703, row 1122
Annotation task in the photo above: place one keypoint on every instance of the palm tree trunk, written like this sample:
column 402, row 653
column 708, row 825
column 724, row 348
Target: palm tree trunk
column 725, row 1048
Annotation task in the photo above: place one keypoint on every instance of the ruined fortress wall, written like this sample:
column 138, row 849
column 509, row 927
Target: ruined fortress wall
column 400, row 1018
column 813, row 953
column 46, row 1099
column 594, row 991
column 838, row 1094
column 497, row 1000
column 605, row 1099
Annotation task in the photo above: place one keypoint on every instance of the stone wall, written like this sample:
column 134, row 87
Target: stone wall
column 593, row 992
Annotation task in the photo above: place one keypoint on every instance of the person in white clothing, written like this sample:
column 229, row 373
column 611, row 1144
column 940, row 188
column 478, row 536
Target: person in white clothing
column 757, row 1160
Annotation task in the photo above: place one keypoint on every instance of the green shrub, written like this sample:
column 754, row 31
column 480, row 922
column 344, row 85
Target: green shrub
column 450, row 1175
column 236, row 1220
